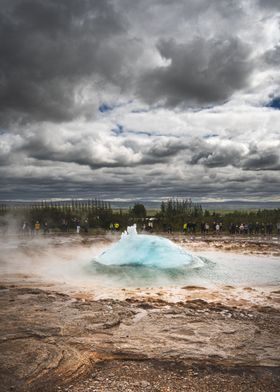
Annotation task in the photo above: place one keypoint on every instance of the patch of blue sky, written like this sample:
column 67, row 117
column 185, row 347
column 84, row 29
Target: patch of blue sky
column 274, row 103
column 104, row 108
column 118, row 130
column 141, row 133
column 108, row 107
column 209, row 135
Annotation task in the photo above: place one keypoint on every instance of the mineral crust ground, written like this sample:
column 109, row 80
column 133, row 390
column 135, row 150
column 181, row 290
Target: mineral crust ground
column 55, row 337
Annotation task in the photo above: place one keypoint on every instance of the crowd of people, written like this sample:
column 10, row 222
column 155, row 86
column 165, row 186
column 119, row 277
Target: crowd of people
column 233, row 228
column 250, row 228
column 34, row 229
column 204, row 228
column 77, row 225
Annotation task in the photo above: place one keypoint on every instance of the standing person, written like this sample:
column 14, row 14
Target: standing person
column 269, row 228
column 78, row 227
column 190, row 227
column 86, row 226
column 185, row 228
column 116, row 226
column 37, row 227
column 214, row 226
column 207, row 227
column 202, row 228
column 63, row 225
column 150, row 226
column 250, row 228
column 24, row 228
column 46, row 227
column 217, row 228
column 28, row 229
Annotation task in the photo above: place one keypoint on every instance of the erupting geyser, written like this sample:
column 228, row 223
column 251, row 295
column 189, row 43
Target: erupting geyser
column 146, row 250
column 141, row 259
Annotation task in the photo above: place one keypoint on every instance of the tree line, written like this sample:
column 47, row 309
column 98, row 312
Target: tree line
column 173, row 215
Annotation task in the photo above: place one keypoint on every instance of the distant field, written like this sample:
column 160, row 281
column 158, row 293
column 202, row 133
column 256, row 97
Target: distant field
column 219, row 210
column 221, row 207
column 224, row 211
column 150, row 211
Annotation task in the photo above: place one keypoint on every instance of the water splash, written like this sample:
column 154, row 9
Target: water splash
column 144, row 250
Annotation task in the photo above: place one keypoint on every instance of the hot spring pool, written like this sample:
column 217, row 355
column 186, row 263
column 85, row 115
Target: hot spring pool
column 148, row 260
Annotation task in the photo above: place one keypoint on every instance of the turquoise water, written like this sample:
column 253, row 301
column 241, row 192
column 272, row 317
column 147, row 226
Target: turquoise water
column 139, row 259
column 149, row 260
column 146, row 251
column 239, row 269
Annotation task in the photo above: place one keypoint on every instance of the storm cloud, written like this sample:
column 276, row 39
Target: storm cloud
column 199, row 72
column 52, row 53
column 158, row 98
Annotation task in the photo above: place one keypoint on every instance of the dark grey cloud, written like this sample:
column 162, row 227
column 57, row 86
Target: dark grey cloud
column 274, row 4
column 49, row 49
column 125, row 165
column 202, row 71
column 94, row 150
column 147, row 62
column 53, row 52
column 136, row 186
column 223, row 154
column 215, row 155
column 262, row 161
column 163, row 151
column 260, row 158
column 272, row 56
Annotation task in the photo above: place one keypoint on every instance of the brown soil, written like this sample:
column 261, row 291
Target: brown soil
column 53, row 342
column 261, row 245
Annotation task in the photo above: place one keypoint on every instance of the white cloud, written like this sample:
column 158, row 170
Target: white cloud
column 187, row 84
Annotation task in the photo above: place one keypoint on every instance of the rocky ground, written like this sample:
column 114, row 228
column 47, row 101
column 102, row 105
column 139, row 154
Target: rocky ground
column 54, row 338
column 258, row 245
column 53, row 342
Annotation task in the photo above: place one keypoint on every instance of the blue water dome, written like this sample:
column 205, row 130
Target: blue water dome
column 135, row 249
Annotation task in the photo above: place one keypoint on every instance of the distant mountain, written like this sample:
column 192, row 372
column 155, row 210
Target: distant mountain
column 225, row 205
column 218, row 205
column 238, row 205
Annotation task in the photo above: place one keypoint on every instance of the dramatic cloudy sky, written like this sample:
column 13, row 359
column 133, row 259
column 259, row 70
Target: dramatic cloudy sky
column 140, row 99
